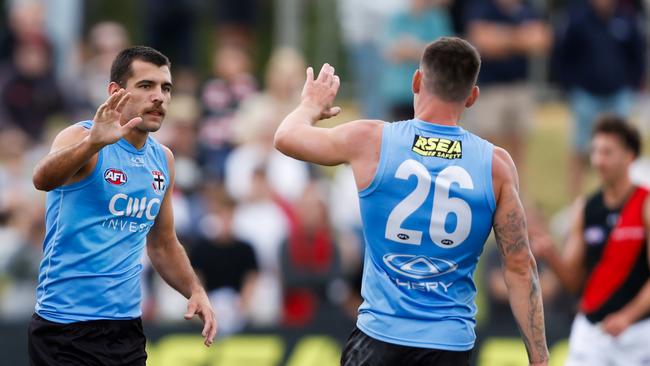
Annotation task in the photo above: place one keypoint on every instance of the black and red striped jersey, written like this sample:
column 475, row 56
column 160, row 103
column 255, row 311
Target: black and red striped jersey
column 616, row 254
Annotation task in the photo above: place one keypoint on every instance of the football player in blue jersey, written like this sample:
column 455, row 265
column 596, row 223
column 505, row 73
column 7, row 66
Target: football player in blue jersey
column 430, row 193
column 109, row 188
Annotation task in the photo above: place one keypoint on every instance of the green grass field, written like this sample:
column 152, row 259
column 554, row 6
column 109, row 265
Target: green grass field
column 548, row 150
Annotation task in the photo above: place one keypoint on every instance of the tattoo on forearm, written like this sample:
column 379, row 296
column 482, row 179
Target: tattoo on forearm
column 512, row 235
column 536, row 316
column 512, row 238
column 535, row 341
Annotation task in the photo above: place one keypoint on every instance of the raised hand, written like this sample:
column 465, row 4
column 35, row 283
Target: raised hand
column 320, row 93
column 107, row 128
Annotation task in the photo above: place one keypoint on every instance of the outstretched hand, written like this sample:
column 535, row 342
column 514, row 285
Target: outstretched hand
column 107, row 128
column 320, row 93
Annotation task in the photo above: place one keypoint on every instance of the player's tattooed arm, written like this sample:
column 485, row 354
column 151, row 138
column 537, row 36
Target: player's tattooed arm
column 508, row 233
column 519, row 267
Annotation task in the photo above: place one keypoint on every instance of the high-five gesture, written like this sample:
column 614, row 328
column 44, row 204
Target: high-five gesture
column 74, row 150
column 319, row 93
column 298, row 137
column 107, row 128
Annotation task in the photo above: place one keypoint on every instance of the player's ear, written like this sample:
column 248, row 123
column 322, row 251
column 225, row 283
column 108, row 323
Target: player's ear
column 473, row 96
column 113, row 88
column 417, row 80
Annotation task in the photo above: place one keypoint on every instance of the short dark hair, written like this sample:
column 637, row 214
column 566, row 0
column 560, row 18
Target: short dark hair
column 121, row 68
column 450, row 67
column 612, row 124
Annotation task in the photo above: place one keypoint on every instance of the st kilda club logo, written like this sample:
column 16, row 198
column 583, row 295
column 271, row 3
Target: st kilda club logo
column 158, row 183
column 115, row 176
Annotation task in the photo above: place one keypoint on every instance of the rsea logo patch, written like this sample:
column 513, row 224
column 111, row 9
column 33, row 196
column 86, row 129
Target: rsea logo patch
column 437, row 147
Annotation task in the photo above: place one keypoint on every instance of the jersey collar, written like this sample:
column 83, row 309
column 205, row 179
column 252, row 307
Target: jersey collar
column 130, row 148
column 436, row 128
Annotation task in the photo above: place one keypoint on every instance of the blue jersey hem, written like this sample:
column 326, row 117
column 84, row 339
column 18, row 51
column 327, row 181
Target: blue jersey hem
column 401, row 342
column 50, row 319
column 79, row 319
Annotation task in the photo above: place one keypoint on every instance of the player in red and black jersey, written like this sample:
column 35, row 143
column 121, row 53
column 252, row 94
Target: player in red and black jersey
column 606, row 256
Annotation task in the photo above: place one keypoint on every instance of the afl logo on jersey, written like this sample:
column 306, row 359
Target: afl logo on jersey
column 403, row 236
column 115, row 176
column 419, row 266
column 158, row 183
column 595, row 235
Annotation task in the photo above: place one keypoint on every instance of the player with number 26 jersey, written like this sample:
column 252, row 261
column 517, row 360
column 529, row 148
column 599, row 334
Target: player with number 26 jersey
column 417, row 285
column 430, row 192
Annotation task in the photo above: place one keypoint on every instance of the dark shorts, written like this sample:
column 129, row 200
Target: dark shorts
column 98, row 342
column 362, row 350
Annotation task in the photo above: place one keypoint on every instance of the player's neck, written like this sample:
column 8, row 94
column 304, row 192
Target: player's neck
column 615, row 193
column 137, row 138
column 435, row 111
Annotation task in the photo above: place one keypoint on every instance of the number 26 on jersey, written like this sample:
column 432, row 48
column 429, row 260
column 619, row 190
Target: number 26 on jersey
column 443, row 206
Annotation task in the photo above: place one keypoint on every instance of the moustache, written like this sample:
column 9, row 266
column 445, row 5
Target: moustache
column 158, row 110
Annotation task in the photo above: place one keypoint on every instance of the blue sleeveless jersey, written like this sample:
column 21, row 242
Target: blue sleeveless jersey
column 95, row 235
column 426, row 216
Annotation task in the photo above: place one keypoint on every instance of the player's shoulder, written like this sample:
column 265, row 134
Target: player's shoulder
column 594, row 198
column 580, row 203
column 169, row 157
column 360, row 139
column 71, row 134
column 502, row 164
column 360, row 130
column 81, row 128
column 578, row 209
column 169, row 154
column 504, row 171
column 365, row 125
column 501, row 154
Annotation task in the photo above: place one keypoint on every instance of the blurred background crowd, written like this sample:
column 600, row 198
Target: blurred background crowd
column 276, row 240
